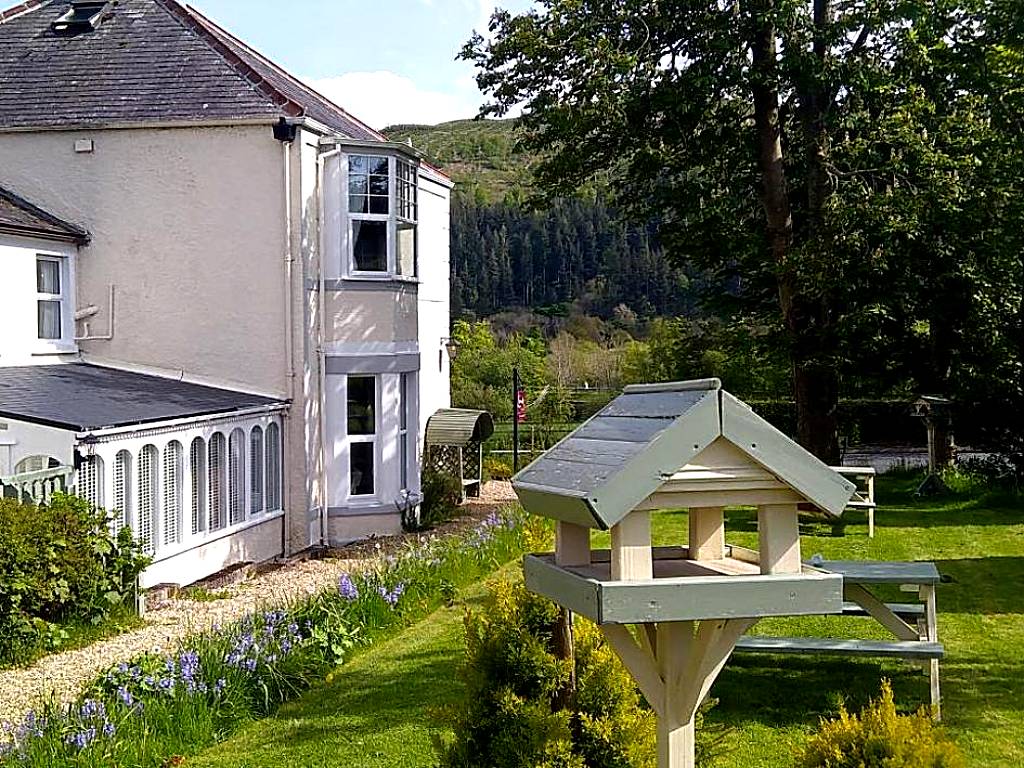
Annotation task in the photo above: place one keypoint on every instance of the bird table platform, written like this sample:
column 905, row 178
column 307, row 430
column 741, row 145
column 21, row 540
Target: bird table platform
column 674, row 614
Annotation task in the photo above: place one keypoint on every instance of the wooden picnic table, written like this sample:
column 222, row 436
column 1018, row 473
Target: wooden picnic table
column 864, row 496
column 916, row 641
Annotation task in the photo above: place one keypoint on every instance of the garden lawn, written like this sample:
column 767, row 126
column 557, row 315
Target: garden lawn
column 375, row 710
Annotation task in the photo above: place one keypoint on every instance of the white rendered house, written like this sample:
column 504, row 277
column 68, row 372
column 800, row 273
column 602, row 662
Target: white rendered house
column 233, row 294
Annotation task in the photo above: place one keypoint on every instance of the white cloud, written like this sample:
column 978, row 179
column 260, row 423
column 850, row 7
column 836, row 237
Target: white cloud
column 384, row 98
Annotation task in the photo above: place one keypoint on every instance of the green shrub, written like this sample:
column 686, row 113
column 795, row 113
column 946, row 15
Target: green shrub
column 442, row 494
column 59, row 564
column 509, row 717
column 497, row 469
column 880, row 738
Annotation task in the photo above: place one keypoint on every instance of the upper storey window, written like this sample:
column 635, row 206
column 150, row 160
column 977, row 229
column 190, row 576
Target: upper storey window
column 381, row 216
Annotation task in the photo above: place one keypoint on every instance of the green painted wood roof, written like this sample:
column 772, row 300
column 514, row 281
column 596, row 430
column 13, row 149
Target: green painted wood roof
column 600, row 472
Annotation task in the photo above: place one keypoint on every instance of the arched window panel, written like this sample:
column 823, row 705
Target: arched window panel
column 197, row 468
column 236, row 477
column 35, row 464
column 216, row 461
column 90, row 481
column 147, row 506
column 171, row 487
column 121, row 514
column 273, row 455
column 256, row 496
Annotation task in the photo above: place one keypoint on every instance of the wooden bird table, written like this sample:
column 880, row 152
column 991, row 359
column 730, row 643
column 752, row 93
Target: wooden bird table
column 674, row 614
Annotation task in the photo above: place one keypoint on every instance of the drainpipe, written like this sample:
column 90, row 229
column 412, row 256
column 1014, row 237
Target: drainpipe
column 321, row 337
column 287, row 140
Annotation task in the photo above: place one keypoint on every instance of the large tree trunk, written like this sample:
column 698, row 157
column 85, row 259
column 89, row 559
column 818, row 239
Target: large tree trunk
column 815, row 387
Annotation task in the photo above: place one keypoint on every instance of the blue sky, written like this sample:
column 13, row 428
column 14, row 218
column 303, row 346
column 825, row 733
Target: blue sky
column 386, row 61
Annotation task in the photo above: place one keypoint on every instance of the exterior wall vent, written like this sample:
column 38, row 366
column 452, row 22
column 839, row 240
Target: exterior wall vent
column 84, row 16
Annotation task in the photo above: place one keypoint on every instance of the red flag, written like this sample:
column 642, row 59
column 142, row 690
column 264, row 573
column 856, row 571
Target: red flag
column 520, row 406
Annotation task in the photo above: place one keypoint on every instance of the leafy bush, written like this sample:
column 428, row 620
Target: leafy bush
column 497, row 469
column 442, row 494
column 157, row 708
column 59, row 564
column 510, row 716
column 880, row 738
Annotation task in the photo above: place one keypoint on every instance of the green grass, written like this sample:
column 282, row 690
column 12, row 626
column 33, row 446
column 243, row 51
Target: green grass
column 375, row 710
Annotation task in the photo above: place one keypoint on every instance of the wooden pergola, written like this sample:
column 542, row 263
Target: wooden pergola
column 674, row 614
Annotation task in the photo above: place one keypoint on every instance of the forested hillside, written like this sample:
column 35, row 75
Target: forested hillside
column 575, row 256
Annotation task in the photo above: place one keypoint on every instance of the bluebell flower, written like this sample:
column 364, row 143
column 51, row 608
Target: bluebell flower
column 347, row 587
column 125, row 696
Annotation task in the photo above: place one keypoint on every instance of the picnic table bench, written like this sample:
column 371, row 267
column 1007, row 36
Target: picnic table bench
column 864, row 496
column 917, row 641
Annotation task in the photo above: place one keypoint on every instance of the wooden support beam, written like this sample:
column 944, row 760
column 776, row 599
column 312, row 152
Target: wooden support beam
column 631, row 548
column 640, row 663
column 572, row 545
column 676, row 745
column 707, row 533
column 931, row 618
column 880, row 611
column 778, row 535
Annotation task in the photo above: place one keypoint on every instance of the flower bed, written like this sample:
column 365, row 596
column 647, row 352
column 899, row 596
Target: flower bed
column 158, row 707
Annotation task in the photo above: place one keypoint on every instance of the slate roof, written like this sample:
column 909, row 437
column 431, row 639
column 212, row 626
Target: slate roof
column 601, row 471
column 20, row 217
column 148, row 61
column 83, row 397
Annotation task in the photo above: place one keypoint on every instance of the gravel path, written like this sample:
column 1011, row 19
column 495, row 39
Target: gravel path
column 62, row 675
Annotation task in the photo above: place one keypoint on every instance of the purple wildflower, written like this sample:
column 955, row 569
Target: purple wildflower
column 347, row 588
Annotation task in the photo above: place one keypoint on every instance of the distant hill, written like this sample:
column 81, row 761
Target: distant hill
column 572, row 257
column 479, row 155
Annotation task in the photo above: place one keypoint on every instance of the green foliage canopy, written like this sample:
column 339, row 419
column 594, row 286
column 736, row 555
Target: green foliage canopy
column 855, row 166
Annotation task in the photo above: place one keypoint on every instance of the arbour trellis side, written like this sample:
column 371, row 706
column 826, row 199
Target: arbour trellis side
column 180, row 487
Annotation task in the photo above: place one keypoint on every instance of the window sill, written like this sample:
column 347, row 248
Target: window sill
column 371, row 278
column 56, row 349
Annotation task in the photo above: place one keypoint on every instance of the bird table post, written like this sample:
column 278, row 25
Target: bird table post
column 674, row 614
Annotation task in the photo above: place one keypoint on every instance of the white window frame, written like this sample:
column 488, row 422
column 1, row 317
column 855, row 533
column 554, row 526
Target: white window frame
column 65, row 272
column 406, row 449
column 369, row 499
column 391, row 219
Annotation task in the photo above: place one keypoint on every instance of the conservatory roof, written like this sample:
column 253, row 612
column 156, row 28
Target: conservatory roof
column 84, row 398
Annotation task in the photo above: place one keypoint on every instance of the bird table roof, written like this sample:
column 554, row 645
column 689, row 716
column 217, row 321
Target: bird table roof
column 608, row 466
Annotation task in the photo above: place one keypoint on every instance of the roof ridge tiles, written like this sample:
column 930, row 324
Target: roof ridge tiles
column 188, row 17
column 218, row 29
column 17, row 10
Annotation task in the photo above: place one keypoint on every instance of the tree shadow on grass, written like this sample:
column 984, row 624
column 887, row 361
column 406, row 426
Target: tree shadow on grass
column 982, row 585
column 776, row 691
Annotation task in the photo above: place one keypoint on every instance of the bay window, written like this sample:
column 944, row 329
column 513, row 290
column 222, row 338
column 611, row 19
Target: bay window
column 382, row 210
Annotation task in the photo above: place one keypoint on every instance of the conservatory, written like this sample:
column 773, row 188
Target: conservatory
column 195, row 472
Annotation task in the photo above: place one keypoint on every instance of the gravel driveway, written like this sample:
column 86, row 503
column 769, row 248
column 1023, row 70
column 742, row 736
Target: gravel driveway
column 62, row 675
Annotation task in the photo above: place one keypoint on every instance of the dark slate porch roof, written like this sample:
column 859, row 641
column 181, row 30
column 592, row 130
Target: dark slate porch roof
column 148, row 61
column 20, row 217
column 83, row 398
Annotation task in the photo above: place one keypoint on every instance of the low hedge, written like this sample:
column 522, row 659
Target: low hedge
column 59, row 565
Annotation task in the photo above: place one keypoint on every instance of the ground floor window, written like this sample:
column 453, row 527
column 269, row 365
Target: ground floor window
column 361, row 425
